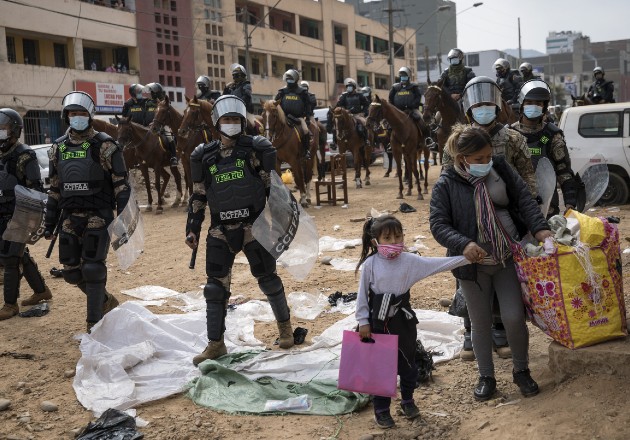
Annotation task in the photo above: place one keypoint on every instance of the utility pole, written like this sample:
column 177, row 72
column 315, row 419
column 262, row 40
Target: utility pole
column 390, row 11
column 520, row 55
column 247, row 38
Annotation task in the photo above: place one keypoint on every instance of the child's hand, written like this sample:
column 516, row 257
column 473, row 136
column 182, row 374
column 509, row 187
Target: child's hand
column 365, row 331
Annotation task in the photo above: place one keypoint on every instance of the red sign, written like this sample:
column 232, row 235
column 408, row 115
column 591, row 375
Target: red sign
column 108, row 97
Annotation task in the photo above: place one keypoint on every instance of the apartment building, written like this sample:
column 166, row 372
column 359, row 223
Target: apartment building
column 324, row 40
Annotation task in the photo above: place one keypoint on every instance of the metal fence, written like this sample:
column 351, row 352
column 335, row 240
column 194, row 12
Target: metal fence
column 42, row 126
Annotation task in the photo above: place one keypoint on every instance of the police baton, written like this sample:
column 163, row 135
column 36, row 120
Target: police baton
column 193, row 257
column 55, row 234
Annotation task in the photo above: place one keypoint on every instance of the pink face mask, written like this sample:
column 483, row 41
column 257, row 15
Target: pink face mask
column 390, row 251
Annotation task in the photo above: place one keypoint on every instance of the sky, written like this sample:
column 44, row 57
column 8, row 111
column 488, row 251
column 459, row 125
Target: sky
column 494, row 24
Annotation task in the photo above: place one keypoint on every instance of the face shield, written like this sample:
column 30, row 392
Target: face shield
column 228, row 105
column 73, row 100
column 481, row 92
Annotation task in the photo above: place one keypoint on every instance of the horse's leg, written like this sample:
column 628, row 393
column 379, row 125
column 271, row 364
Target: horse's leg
column 367, row 157
column 144, row 170
column 398, row 158
column 178, row 184
column 358, row 159
column 166, row 177
column 298, row 176
column 390, row 159
column 159, row 208
column 426, row 170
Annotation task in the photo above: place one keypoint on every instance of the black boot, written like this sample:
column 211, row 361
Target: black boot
column 173, row 150
column 485, row 389
column 526, row 384
column 306, row 144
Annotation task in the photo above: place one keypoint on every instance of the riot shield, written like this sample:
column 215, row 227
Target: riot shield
column 545, row 182
column 27, row 223
column 127, row 233
column 595, row 178
column 287, row 231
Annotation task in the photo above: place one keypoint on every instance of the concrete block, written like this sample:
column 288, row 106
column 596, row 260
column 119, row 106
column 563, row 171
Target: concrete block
column 611, row 357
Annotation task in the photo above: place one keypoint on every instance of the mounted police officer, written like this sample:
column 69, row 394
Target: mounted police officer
column 311, row 96
column 546, row 140
column 367, row 92
column 204, row 84
column 18, row 166
column 601, row 91
column 508, row 80
column 482, row 103
column 240, row 86
column 406, row 95
column 231, row 176
column 88, row 180
column 456, row 75
column 135, row 106
column 527, row 71
column 355, row 103
column 156, row 93
column 296, row 104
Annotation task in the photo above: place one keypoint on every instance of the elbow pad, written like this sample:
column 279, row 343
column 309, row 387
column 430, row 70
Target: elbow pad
column 265, row 152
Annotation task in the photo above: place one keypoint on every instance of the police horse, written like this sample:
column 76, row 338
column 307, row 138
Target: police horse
column 149, row 149
column 348, row 138
column 407, row 140
column 286, row 140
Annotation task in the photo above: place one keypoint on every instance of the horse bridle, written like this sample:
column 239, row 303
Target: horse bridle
column 341, row 134
column 203, row 127
column 373, row 120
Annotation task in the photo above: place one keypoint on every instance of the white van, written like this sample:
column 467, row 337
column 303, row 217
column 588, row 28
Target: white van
column 601, row 129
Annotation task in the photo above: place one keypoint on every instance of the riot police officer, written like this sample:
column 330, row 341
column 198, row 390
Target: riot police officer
column 527, row 71
column 456, row 75
column 240, row 86
column 367, row 92
column 544, row 139
column 601, row 91
column 18, row 166
column 355, row 103
column 157, row 93
column 134, row 106
column 406, row 95
column 88, row 180
column 311, row 96
column 234, row 205
column 508, row 80
column 296, row 104
column 204, row 85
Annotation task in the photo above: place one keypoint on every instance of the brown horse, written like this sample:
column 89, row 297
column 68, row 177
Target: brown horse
column 196, row 128
column 407, row 139
column 288, row 144
column 149, row 149
column 348, row 138
column 131, row 161
column 579, row 101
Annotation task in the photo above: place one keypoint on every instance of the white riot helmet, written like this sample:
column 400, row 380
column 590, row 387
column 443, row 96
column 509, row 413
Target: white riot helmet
column 481, row 89
column 203, row 82
column 291, row 74
column 238, row 71
column 304, row 85
column 455, row 54
column 350, row 82
column 404, row 71
column 228, row 105
column 536, row 90
column 77, row 101
column 501, row 64
column 526, row 68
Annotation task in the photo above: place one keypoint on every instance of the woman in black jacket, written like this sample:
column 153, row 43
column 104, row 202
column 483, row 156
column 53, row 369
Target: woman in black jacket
column 479, row 206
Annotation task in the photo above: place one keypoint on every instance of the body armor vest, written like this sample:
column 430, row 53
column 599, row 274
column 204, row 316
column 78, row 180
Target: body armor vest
column 292, row 102
column 456, row 79
column 210, row 95
column 537, row 142
column 150, row 107
column 406, row 98
column 135, row 109
column 83, row 182
column 234, row 190
column 8, row 178
column 353, row 102
column 508, row 88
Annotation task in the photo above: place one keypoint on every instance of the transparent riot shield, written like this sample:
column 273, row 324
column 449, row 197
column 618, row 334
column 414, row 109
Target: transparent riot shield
column 595, row 178
column 287, row 231
column 545, row 182
column 27, row 223
column 127, row 233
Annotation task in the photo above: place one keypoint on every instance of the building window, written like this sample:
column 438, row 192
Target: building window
column 60, row 55
column 362, row 41
column 158, row 17
column 214, row 45
column 399, row 51
column 216, row 71
column 380, row 46
column 381, row 82
column 215, row 59
column 255, row 66
column 363, row 78
column 159, row 48
column 11, row 49
column 221, row 59
column 209, row 44
column 92, row 55
column 169, row 65
column 173, row 5
column 174, row 21
column 167, row 19
column 214, row 29
column 169, row 81
column 208, row 29
column 167, row 34
column 176, row 66
column 220, row 29
column 178, row 81
column 338, row 35
column 472, row 59
column 30, row 51
column 179, row 94
column 209, row 57
column 220, row 46
column 176, row 50
column 222, row 72
column 309, row 28
column 171, row 95
column 157, row 4
column 175, row 35
column 160, row 64
column 161, row 79
column 158, row 32
column 210, row 71
column 167, row 48
column 339, row 74
column 217, row 85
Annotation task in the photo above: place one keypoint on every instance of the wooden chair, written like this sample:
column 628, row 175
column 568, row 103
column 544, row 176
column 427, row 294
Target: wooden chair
column 329, row 188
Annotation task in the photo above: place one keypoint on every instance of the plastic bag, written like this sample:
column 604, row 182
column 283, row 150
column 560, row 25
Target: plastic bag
column 424, row 362
column 369, row 367
column 36, row 311
column 127, row 233
column 458, row 305
column 111, row 425
column 299, row 403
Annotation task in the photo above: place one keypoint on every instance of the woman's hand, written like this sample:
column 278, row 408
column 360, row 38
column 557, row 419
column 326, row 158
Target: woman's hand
column 365, row 331
column 542, row 235
column 474, row 253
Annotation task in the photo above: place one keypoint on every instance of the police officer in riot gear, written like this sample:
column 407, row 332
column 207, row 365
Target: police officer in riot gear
column 367, row 92
column 601, row 91
column 296, row 104
column 204, row 84
column 355, row 103
column 311, row 96
column 406, row 95
column 234, row 203
column 157, row 93
column 508, row 80
column 482, row 103
column 240, row 86
column 88, row 180
column 456, row 75
column 544, row 139
column 18, row 166
column 134, row 106
column 527, row 71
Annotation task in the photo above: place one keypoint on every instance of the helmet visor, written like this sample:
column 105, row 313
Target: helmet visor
column 228, row 105
column 74, row 100
column 486, row 92
column 535, row 90
column 5, row 120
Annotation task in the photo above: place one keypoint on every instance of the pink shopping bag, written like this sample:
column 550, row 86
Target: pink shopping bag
column 369, row 367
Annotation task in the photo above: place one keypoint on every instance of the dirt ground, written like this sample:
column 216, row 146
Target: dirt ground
column 588, row 407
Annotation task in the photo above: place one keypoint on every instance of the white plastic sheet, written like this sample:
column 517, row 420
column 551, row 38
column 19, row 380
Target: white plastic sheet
column 133, row 356
column 327, row 243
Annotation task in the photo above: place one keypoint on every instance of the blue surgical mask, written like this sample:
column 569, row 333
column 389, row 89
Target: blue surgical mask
column 454, row 61
column 138, row 95
column 484, row 115
column 350, row 88
column 479, row 169
column 404, row 78
column 79, row 123
column 290, row 81
column 532, row 111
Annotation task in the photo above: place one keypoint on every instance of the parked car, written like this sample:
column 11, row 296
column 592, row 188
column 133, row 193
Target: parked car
column 601, row 129
column 42, row 157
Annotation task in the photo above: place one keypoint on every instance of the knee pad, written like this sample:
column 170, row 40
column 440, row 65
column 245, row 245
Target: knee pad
column 69, row 249
column 219, row 258
column 11, row 249
column 94, row 272
column 95, row 244
column 261, row 262
column 270, row 284
column 72, row 276
column 215, row 292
